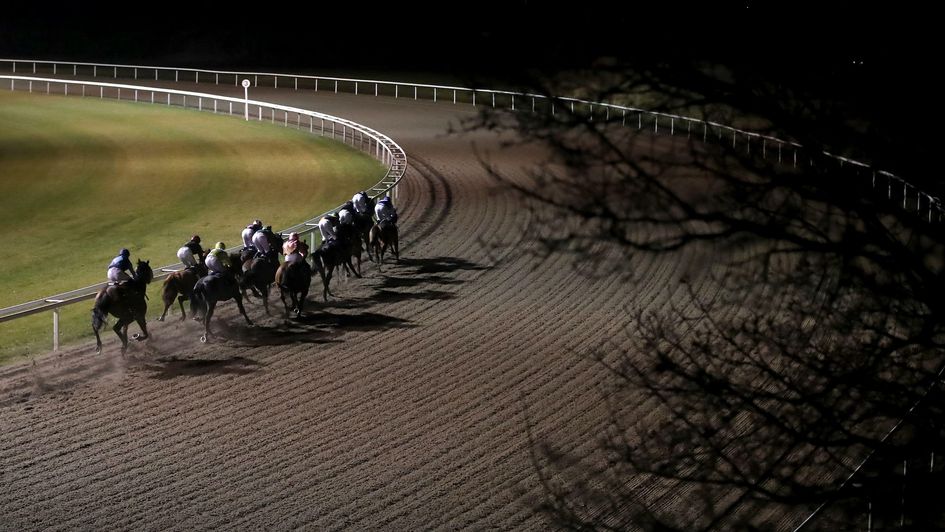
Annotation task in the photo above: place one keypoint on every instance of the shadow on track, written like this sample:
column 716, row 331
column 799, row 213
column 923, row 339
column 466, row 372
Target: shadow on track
column 172, row 367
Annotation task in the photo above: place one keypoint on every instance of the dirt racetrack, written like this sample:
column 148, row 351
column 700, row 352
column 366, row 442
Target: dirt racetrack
column 404, row 403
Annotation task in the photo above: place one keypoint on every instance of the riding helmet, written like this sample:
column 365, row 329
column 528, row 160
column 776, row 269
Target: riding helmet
column 196, row 238
column 220, row 245
column 124, row 252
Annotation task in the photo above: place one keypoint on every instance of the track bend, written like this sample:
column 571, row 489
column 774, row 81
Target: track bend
column 404, row 403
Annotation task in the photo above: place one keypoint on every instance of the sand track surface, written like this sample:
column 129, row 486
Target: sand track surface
column 403, row 403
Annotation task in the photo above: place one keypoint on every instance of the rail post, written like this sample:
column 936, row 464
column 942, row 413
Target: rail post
column 55, row 329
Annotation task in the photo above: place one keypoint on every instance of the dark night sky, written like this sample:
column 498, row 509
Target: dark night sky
column 450, row 35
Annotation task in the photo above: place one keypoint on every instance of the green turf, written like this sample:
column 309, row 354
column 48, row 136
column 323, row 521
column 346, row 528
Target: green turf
column 81, row 178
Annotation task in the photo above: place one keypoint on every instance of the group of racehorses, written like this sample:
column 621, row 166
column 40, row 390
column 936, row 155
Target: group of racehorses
column 128, row 302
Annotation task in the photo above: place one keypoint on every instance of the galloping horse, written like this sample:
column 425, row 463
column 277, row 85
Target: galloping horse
column 180, row 282
column 294, row 278
column 208, row 292
column 326, row 259
column 384, row 234
column 350, row 239
column 363, row 224
column 127, row 302
column 258, row 274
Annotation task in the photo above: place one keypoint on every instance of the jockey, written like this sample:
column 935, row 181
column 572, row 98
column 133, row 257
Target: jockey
column 261, row 241
column 218, row 260
column 346, row 214
column 385, row 211
column 191, row 254
column 360, row 202
column 118, row 267
column 294, row 249
column 247, row 233
column 326, row 226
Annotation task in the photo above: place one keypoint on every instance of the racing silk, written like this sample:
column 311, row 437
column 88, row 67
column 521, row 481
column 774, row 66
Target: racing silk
column 247, row 235
column 360, row 201
column 194, row 248
column 218, row 261
column 261, row 242
column 346, row 217
column 326, row 229
column 186, row 257
column 385, row 211
column 117, row 268
column 122, row 263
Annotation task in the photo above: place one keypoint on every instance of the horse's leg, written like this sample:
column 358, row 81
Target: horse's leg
column 282, row 290
column 98, row 319
column 239, row 303
column 265, row 297
column 121, row 329
column 144, row 328
column 167, row 296
column 357, row 273
column 366, row 237
column 211, row 304
column 395, row 246
column 295, row 303
column 328, row 272
column 302, row 295
column 183, row 314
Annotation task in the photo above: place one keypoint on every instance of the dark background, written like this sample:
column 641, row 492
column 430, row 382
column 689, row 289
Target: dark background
column 469, row 36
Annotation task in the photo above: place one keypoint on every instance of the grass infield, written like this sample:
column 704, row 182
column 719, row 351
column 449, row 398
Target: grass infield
column 81, row 178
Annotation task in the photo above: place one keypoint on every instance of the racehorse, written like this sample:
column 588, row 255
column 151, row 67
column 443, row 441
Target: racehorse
column 258, row 274
column 363, row 224
column 209, row 291
column 127, row 302
column 294, row 278
column 327, row 258
column 350, row 239
column 180, row 282
column 384, row 235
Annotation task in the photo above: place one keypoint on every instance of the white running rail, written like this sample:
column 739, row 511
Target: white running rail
column 351, row 133
column 926, row 206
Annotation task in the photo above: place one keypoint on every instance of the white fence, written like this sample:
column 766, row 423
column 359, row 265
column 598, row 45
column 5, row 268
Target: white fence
column 925, row 205
column 351, row 133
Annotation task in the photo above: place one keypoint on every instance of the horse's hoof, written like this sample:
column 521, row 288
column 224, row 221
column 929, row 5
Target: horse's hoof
column 203, row 338
column 161, row 318
column 98, row 350
column 135, row 336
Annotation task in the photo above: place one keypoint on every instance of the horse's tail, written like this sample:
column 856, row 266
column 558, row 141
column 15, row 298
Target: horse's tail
column 100, row 312
column 198, row 303
column 319, row 262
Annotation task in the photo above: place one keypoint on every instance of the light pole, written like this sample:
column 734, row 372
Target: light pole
column 246, row 98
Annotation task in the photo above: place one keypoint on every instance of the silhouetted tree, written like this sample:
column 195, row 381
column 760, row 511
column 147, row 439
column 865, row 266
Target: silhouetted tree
column 820, row 346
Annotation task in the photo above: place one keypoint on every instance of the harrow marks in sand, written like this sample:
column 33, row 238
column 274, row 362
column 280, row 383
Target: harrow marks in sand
column 404, row 403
